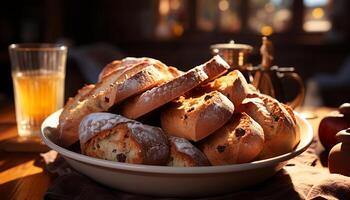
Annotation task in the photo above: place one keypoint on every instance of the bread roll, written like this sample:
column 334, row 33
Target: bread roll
column 239, row 141
column 113, row 137
column 196, row 118
column 233, row 86
column 158, row 96
column 185, row 154
column 280, row 128
column 71, row 103
column 111, row 90
column 120, row 66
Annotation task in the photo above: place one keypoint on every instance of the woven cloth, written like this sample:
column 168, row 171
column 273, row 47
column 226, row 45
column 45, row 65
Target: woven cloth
column 302, row 178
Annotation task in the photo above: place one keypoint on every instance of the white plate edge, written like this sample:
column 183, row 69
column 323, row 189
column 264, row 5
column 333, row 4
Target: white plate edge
column 175, row 170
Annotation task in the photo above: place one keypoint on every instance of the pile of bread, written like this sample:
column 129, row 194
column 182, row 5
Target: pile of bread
column 205, row 116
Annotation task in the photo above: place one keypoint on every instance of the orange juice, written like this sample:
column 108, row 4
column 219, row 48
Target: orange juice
column 37, row 94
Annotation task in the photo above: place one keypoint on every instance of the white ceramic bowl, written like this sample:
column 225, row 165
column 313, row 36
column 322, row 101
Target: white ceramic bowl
column 175, row 181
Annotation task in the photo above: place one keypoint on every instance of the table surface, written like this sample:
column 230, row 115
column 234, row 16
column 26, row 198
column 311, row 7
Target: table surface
column 22, row 175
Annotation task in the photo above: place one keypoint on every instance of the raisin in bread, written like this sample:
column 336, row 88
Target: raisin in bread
column 278, row 121
column 194, row 118
column 241, row 140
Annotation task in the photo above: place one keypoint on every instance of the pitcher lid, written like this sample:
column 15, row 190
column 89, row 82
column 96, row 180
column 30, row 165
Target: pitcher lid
column 232, row 45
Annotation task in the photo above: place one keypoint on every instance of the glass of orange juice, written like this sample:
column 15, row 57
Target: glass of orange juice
column 38, row 72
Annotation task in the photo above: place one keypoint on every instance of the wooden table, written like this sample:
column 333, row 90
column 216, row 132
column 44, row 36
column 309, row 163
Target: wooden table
column 22, row 175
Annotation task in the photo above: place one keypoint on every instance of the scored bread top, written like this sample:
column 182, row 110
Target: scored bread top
column 120, row 66
column 194, row 118
column 111, row 67
column 268, row 112
column 281, row 131
column 233, row 85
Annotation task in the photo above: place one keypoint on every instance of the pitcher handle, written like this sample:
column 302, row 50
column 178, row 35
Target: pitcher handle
column 298, row 100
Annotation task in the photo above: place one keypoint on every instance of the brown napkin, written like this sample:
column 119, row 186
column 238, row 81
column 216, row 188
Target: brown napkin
column 302, row 178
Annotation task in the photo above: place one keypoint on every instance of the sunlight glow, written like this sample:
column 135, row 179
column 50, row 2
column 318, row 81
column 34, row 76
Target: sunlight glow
column 19, row 171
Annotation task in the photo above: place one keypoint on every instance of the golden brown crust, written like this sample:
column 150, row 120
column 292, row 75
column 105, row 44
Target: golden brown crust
column 110, row 68
column 185, row 154
column 158, row 96
column 196, row 118
column 239, row 141
column 267, row 129
column 71, row 103
column 290, row 111
column 233, row 85
column 120, row 66
column 146, row 102
column 113, row 89
column 280, row 128
column 215, row 67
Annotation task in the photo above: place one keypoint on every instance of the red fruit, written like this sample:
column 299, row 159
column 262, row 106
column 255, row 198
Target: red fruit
column 329, row 127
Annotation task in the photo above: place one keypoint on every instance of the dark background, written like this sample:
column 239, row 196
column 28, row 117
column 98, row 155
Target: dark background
column 105, row 30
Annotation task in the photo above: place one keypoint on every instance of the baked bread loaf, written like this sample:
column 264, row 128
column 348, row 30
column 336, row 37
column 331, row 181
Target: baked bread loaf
column 113, row 89
column 130, row 62
column 185, row 154
column 241, row 140
column 195, row 118
column 114, row 137
column 158, row 96
column 113, row 66
column 71, row 103
column 233, row 85
column 280, row 128
column 230, row 121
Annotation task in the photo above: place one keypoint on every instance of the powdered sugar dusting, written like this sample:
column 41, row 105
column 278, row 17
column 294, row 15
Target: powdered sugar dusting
column 184, row 146
column 97, row 122
column 152, row 139
column 221, row 61
column 173, row 85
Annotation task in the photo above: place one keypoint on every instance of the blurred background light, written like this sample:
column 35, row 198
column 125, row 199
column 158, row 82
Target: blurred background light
column 270, row 16
column 266, row 30
column 316, row 16
column 224, row 5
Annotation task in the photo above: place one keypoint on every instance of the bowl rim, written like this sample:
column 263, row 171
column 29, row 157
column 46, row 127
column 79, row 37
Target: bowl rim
column 53, row 118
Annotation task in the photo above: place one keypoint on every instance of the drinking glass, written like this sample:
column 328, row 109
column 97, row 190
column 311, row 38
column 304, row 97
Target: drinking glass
column 38, row 73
